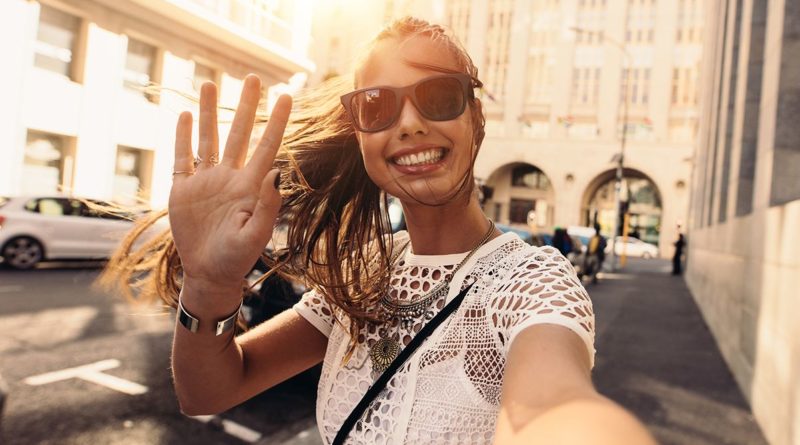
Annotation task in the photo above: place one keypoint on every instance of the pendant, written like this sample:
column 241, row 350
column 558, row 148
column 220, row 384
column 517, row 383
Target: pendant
column 383, row 353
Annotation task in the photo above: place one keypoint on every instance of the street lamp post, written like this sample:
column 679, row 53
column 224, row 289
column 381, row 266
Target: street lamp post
column 619, row 157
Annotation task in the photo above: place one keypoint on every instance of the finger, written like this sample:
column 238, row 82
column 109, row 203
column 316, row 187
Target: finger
column 242, row 126
column 260, row 225
column 270, row 141
column 208, row 145
column 183, row 146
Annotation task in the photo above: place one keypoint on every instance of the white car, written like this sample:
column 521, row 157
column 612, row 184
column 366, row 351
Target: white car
column 634, row 247
column 39, row 228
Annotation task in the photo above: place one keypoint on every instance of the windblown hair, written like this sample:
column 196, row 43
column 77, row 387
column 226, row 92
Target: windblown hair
column 338, row 227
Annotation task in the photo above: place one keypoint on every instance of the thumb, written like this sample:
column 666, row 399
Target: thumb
column 262, row 222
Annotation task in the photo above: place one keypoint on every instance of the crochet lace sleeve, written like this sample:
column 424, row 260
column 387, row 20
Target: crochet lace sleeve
column 542, row 288
column 313, row 307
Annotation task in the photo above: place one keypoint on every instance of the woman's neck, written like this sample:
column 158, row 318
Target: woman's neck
column 447, row 229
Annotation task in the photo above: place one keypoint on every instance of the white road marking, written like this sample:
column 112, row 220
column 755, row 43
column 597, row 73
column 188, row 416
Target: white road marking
column 12, row 288
column 92, row 372
column 236, row 430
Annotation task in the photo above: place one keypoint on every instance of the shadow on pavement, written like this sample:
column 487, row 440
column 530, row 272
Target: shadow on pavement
column 656, row 357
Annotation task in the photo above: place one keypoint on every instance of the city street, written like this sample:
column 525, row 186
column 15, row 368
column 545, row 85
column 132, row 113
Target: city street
column 86, row 368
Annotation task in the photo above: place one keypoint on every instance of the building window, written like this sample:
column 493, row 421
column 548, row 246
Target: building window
column 641, row 19
column 132, row 175
column 590, row 19
column 48, row 164
column 684, row 86
column 458, row 18
column 585, row 85
column 635, row 86
column 497, row 48
column 530, row 177
column 519, row 209
column 56, row 41
column 140, row 67
column 689, row 23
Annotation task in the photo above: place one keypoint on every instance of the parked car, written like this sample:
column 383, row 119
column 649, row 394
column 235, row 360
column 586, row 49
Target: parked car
column 633, row 247
column 41, row 228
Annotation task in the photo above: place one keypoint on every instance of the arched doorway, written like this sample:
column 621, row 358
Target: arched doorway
column 521, row 195
column 641, row 205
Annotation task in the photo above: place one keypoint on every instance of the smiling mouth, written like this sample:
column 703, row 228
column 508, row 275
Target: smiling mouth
column 426, row 157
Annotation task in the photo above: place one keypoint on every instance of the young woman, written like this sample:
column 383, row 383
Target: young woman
column 510, row 365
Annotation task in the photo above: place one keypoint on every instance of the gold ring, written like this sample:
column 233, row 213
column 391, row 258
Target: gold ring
column 183, row 172
column 197, row 161
column 213, row 159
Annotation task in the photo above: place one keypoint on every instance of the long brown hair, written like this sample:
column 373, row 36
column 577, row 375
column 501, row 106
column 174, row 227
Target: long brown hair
column 338, row 228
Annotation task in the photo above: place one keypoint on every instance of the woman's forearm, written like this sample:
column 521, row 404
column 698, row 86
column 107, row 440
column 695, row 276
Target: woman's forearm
column 592, row 419
column 207, row 369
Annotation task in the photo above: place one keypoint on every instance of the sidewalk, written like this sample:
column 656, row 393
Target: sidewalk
column 656, row 357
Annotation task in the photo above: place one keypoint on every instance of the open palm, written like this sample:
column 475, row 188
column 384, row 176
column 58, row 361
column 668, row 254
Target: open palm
column 222, row 216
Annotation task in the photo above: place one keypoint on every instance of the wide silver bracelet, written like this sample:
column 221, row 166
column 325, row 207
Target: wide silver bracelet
column 192, row 323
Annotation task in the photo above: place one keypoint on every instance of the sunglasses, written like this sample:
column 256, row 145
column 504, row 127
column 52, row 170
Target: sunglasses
column 438, row 98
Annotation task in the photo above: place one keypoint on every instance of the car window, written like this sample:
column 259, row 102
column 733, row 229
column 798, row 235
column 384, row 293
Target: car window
column 72, row 207
column 50, row 207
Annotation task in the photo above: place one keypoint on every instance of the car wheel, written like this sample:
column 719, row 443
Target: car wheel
column 22, row 252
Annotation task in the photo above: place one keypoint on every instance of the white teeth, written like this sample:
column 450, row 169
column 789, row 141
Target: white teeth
column 425, row 157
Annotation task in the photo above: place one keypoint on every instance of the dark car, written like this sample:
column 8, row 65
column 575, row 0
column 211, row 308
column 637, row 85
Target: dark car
column 271, row 296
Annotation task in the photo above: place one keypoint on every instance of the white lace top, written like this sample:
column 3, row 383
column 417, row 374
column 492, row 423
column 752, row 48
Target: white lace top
column 448, row 392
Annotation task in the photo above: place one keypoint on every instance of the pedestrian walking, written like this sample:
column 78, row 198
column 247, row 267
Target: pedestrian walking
column 562, row 241
column 595, row 255
column 677, row 256
column 510, row 360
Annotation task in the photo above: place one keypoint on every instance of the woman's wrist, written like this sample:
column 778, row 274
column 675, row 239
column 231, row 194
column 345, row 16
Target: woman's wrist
column 210, row 300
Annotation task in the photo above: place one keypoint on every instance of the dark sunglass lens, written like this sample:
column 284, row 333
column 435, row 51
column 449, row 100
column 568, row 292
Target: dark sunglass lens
column 441, row 99
column 374, row 109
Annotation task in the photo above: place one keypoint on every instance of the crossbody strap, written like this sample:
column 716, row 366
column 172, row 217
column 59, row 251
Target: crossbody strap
column 380, row 384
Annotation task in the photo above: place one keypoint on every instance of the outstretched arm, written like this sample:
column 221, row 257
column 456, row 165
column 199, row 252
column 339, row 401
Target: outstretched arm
column 222, row 217
column 548, row 396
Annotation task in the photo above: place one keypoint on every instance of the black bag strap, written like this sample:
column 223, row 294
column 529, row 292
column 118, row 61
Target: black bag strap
column 380, row 384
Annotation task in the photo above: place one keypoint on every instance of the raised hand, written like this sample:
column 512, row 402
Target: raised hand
column 222, row 216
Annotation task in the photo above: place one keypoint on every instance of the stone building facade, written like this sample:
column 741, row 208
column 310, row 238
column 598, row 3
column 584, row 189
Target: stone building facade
column 75, row 118
column 564, row 80
column 744, row 225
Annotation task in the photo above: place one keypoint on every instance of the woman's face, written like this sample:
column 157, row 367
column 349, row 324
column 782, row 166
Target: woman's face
column 415, row 159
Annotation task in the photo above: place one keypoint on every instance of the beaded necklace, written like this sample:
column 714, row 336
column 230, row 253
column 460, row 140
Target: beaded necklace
column 385, row 350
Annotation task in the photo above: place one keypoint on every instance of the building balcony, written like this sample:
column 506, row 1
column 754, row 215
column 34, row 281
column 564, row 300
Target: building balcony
column 279, row 37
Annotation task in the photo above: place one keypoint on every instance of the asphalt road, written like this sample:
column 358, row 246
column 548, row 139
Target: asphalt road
column 656, row 357
column 87, row 368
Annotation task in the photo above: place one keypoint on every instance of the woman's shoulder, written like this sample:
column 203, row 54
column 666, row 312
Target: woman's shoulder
column 521, row 260
column 514, row 248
